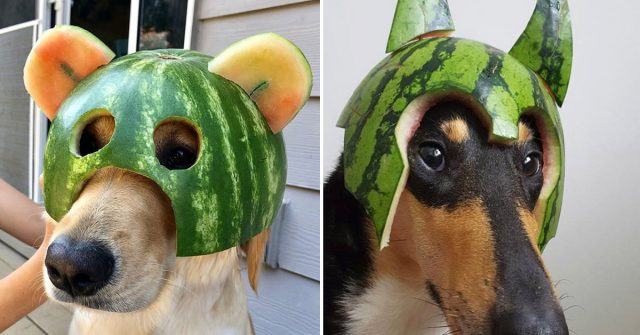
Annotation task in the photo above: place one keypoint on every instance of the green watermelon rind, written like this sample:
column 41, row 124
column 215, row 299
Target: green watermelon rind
column 546, row 45
column 414, row 18
column 234, row 190
column 503, row 88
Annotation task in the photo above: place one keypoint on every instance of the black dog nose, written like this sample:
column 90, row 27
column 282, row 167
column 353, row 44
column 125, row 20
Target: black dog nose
column 79, row 268
column 546, row 322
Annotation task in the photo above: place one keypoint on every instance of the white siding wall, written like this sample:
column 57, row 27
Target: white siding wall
column 289, row 296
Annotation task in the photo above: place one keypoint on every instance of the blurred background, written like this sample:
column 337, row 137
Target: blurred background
column 289, row 292
column 595, row 256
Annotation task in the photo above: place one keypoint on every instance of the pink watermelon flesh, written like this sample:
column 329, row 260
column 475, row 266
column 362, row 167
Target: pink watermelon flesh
column 272, row 70
column 62, row 57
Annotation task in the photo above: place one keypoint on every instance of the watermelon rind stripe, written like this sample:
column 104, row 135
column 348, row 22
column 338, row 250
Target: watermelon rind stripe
column 414, row 18
column 546, row 45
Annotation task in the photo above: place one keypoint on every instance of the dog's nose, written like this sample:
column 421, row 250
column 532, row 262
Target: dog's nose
column 546, row 322
column 79, row 268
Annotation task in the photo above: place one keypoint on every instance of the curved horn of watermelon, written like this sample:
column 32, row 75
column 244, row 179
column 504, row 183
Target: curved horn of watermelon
column 62, row 57
column 546, row 45
column 415, row 18
column 273, row 71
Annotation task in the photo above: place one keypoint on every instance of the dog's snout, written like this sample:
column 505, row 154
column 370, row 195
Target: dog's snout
column 79, row 268
column 545, row 322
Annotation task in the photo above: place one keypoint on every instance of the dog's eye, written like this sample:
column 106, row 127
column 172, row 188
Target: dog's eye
column 432, row 155
column 532, row 164
column 177, row 144
column 88, row 144
column 177, row 158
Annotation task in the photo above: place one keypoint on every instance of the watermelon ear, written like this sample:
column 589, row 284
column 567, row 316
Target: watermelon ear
column 416, row 18
column 272, row 70
column 546, row 45
column 63, row 56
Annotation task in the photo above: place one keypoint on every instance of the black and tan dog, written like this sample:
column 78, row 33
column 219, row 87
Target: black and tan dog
column 462, row 256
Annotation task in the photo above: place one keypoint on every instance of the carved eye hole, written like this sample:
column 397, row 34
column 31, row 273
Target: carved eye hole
column 95, row 134
column 177, row 144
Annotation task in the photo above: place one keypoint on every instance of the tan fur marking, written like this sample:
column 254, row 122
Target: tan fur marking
column 102, row 128
column 531, row 227
column 525, row 133
column 176, row 131
column 456, row 130
column 400, row 259
column 254, row 250
column 454, row 250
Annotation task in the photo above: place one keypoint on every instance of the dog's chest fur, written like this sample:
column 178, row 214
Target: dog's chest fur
column 412, row 311
column 205, row 295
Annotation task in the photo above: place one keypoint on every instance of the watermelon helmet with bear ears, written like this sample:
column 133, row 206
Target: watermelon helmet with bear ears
column 235, row 187
column 425, row 67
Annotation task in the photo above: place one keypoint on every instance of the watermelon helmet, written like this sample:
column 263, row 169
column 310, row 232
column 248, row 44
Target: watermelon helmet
column 427, row 66
column 229, row 194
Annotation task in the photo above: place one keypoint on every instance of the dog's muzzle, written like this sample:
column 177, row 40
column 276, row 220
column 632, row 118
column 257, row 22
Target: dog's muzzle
column 79, row 268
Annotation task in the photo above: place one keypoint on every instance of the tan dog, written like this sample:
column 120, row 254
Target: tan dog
column 112, row 256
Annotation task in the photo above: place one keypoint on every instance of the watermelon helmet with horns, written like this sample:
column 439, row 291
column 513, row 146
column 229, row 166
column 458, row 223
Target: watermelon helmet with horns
column 426, row 67
column 235, row 187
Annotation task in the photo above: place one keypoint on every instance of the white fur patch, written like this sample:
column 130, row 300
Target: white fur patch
column 393, row 306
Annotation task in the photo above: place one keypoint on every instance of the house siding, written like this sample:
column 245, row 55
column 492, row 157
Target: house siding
column 288, row 300
column 14, row 109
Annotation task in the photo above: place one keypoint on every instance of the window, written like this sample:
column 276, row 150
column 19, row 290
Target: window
column 162, row 24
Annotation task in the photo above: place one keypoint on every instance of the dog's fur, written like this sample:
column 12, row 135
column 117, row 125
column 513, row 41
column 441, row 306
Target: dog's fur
column 462, row 256
column 151, row 290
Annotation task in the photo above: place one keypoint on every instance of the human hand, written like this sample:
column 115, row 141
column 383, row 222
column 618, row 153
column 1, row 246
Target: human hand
column 22, row 291
column 49, row 227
